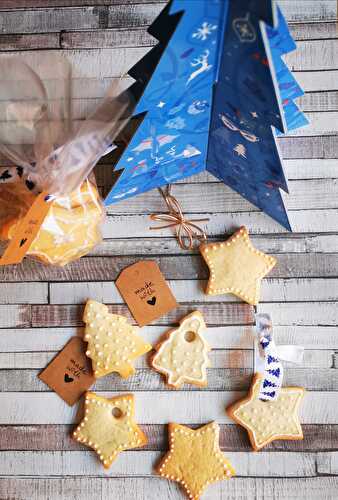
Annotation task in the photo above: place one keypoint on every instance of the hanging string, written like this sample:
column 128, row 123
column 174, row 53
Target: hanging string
column 186, row 230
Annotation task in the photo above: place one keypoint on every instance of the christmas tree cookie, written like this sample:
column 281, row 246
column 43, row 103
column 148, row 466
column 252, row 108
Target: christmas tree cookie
column 113, row 344
column 182, row 357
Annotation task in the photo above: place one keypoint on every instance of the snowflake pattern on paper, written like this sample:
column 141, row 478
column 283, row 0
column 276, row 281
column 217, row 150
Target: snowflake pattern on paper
column 204, row 31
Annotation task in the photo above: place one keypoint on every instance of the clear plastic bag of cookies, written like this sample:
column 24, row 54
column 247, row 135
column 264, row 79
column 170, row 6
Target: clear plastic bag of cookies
column 45, row 148
column 71, row 228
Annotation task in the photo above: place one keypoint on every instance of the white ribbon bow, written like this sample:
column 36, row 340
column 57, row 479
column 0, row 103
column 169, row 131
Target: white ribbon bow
column 268, row 357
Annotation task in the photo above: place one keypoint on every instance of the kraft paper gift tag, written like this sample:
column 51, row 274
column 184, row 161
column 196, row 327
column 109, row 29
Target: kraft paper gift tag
column 27, row 231
column 146, row 292
column 70, row 373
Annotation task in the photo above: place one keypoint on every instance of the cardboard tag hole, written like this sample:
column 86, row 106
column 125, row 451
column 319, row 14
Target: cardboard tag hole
column 117, row 413
column 189, row 336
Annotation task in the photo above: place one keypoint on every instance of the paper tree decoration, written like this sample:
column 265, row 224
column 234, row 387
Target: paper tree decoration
column 215, row 91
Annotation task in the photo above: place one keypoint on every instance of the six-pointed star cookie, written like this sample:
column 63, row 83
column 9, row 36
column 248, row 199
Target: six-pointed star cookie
column 194, row 459
column 108, row 426
column 268, row 421
column 236, row 267
column 183, row 357
column 112, row 342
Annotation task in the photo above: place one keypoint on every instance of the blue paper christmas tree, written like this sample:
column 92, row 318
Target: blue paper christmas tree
column 213, row 94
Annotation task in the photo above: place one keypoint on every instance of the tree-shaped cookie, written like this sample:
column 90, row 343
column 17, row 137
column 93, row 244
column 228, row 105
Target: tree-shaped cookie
column 113, row 343
column 182, row 357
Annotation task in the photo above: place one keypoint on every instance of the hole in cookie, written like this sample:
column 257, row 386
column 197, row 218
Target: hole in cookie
column 116, row 412
column 189, row 336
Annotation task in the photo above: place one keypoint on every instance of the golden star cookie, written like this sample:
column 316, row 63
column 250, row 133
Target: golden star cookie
column 182, row 357
column 113, row 343
column 194, row 459
column 67, row 235
column 268, row 421
column 236, row 267
column 108, row 426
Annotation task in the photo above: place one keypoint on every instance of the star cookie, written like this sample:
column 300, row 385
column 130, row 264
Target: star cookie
column 268, row 421
column 182, row 357
column 236, row 267
column 112, row 342
column 108, row 426
column 194, row 459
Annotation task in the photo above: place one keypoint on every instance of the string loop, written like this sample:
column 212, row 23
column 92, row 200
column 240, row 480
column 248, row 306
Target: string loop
column 186, row 230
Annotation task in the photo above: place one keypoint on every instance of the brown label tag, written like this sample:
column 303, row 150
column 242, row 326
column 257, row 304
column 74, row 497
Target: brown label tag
column 145, row 291
column 70, row 373
column 27, row 231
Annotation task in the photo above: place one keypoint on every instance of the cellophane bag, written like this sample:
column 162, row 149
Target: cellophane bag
column 44, row 149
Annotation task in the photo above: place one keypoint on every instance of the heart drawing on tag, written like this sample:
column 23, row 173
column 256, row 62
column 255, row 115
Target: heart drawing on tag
column 152, row 301
column 68, row 379
column 22, row 242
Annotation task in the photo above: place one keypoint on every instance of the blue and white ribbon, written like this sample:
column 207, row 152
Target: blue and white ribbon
column 268, row 358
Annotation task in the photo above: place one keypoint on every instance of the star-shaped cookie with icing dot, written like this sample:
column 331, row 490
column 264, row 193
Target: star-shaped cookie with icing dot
column 113, row 343
column 236, row 267
column 194, row 459
column 108, row 426
column 268, row 421
column 182, row 357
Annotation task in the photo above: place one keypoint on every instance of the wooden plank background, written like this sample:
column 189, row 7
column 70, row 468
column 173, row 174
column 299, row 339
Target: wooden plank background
column 41, row 307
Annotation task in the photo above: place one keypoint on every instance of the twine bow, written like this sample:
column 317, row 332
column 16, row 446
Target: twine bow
column 186, row 230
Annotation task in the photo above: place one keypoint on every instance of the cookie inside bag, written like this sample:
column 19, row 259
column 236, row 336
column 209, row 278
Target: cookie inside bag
column 70, row 230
